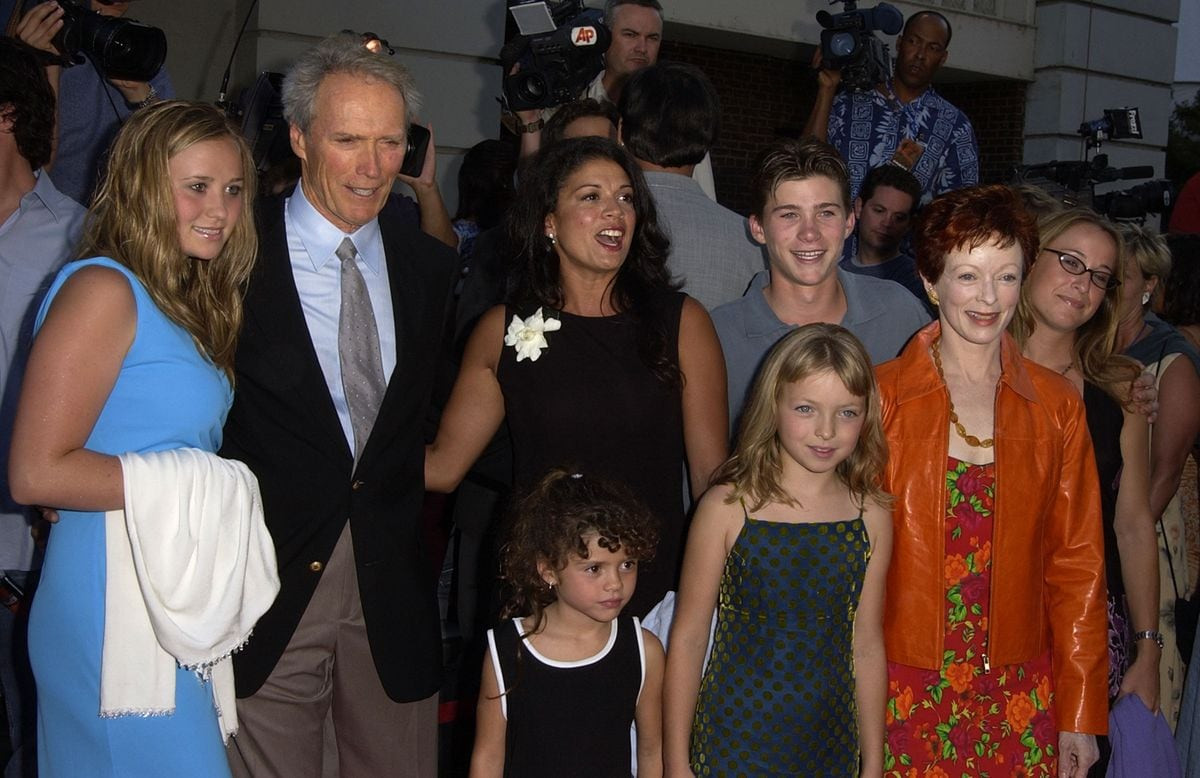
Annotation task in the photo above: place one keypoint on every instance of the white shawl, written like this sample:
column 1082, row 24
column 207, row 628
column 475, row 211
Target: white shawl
column 190, row 569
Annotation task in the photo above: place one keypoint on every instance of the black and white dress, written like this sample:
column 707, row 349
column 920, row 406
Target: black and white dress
column 568, row 718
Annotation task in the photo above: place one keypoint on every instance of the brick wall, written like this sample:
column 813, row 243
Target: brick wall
column 763, row 96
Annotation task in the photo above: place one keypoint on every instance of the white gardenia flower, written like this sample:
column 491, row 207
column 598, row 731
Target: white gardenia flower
column 528, row 336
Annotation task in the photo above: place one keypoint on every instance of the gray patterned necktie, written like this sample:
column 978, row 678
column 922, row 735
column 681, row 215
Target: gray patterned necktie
column 358, row 349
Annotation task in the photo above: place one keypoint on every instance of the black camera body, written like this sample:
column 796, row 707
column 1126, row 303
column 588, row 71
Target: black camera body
column 1074, row 183
column 556, row 65
column 119, row 48
column 848, row 43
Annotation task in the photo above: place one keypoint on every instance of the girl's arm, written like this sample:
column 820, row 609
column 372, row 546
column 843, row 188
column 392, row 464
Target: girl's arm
column 474, row 411
column 870, row 659
column 703, row 565
column 487, row 760
column 1177, row 428
column 705, row 408
column 649, row 711
column 1137, row 546
column 73, row 366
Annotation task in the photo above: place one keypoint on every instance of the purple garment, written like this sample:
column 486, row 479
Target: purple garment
column 1142, row 744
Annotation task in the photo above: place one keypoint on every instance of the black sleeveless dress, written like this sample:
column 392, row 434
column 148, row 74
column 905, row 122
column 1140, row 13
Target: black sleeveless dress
column 568, row 718
column 1105, row 420
column 591, row 402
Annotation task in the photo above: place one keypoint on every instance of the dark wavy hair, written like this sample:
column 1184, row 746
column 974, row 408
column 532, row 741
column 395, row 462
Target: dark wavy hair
column 670, row 114
column 1181, row 299
column 642, row 279
column 27, row 101
column 554, row 520
column 897, row 178
column 485, row 182
column 585, row 108
column 970, row 218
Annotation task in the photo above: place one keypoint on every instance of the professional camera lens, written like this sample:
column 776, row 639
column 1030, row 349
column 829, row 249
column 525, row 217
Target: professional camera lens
column 842, row 44
column 532, row 89
column 119, row 48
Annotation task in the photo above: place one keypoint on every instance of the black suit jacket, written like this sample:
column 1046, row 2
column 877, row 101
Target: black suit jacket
column 284, row 427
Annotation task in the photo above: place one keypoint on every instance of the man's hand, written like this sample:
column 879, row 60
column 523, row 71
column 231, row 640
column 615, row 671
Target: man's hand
column 435, row 219
column 1077, row 752
column 828, row 79
column 39, row 25
column 1144, row 396
column 428, row 177
column 134, row 92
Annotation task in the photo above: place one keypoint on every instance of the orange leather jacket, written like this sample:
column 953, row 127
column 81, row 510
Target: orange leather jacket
column 1047, row 584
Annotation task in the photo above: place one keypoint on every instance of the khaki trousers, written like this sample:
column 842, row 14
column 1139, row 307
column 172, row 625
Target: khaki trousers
column 326, row 678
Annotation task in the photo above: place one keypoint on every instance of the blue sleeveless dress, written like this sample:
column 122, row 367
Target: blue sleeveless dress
column 167, row 395
column 777, row 696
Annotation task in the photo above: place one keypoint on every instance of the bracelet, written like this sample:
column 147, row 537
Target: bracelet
column 1149, row 634
column 533, row 126
column 150, row 99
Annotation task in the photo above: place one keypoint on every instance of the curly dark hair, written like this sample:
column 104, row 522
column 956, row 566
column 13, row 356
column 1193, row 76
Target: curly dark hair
column 554, row 520
column 27, row 101
column 1181, row 301
column 641, row 281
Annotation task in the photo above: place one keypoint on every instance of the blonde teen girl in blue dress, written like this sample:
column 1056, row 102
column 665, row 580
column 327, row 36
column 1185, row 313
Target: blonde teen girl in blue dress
column 564, row 680
column 791, row 546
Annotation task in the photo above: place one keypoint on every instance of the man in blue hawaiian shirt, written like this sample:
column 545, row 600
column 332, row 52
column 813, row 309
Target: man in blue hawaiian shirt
column 904, row 121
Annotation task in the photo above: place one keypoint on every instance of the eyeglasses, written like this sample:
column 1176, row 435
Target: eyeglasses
column 1104, row 279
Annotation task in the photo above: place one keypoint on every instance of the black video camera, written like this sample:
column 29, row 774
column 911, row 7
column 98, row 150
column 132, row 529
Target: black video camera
column 848, row 43
column 119, row 48
column 1074, row 183
column 560, row 50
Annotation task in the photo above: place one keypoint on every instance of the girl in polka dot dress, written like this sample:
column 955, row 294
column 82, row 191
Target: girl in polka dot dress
column 565, row 679
column 791, row 547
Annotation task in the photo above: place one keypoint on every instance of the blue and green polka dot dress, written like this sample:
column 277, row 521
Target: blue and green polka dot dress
column 778, row 693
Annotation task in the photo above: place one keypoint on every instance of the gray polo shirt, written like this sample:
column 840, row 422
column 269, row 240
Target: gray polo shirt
column 882, row 314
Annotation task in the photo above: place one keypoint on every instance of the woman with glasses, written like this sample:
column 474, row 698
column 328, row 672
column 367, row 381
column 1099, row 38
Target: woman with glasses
column 1067, row 321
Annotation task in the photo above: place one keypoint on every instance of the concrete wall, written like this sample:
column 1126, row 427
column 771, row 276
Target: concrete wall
column 1187, row 57
column 1092, row 56
column 451, row 46
column 1080, row 57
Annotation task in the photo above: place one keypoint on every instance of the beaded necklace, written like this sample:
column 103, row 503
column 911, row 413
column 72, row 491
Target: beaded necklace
column 971, row 440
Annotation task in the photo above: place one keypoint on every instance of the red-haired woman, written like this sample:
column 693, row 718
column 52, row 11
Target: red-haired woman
column 995, row 621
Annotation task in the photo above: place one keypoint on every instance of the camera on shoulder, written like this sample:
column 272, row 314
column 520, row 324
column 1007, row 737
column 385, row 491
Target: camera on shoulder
column 848, row 43
column 559, row 51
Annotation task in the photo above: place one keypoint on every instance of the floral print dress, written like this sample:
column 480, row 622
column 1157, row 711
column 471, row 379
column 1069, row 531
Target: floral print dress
column 968, row 719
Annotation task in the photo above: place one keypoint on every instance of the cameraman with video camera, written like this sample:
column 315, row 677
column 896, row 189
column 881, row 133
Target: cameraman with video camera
column 91, row 105
column 903, row 121
column 636, row 27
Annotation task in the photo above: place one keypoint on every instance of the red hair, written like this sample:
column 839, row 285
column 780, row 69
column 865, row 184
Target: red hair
column 968, row 219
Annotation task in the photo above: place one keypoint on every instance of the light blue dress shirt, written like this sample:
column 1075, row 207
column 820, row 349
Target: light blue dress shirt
column 34, row 241
column 312, row 241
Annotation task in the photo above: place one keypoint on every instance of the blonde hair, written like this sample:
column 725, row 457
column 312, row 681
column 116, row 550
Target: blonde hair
column 754, row 471
column 1149, row 250
column 133, row 220
column 1096, row 339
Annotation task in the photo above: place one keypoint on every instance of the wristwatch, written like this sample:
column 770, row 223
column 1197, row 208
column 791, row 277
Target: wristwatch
column 1149, row 634
column 533, row 126
column 150, row 99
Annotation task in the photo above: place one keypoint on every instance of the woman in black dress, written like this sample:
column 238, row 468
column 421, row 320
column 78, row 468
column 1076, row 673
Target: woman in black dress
column 597, row 362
